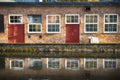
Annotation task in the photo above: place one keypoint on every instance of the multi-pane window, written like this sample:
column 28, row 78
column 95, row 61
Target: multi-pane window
column 53, row 23
column 53, row 63
column 35, row 63
column 16, row 64
column 35, row 24
column 91, row 23
column 110, row 23
column 72, row 18
column 90, row 63
column 72, row 64
column 109, row 63
column 15, row 19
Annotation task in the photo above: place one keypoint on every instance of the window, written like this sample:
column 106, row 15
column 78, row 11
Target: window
column 72, row 18
column 110, row 23
column 16, row 64
column 35, row 63
column 90, row 63
column 53, row 23
column 72, row 64
column 15, row 19
column 91, row 23
column 34, row 25
column 53, row 63
column 110, row 63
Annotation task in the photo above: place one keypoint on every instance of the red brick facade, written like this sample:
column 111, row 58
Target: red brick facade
column 60, row 38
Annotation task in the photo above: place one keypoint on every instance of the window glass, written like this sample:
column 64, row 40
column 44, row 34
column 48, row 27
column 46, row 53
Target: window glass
column 15, row 19
column 91, row 23
column 111, row 23
column 35, row 25
column 53, row 63
column 53, row 23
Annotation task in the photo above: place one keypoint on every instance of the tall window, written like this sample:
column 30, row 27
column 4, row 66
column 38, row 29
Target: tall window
column 53, row 23
column 91, row 23
column 110, row 23
column 72, row 18
column 35, row 24
column 72, row 64
column 15, row 19
column 16, row 64
column 90, row 63
column 35, row 63
column 53, row 63
column 110, row 63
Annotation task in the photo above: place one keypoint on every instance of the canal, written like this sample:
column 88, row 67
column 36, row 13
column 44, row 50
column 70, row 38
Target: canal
column 52, row 68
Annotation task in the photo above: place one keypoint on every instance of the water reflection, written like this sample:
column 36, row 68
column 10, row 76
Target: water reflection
column 61, row 68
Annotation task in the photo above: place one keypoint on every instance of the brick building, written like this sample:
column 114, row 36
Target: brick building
column 59, row 22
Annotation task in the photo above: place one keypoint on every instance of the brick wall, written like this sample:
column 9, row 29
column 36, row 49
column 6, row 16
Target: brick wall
column 61, row 37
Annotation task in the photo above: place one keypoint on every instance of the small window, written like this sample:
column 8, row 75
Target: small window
column 110, row 23
column 72, row 64
column 72, row 19
column 16, row 64
column 110, row 63
column 91, row 23
column 53, row 63
column 35, row 24
column 90, row 63
column 35, row 63
column 15, row 19
column 53, row 23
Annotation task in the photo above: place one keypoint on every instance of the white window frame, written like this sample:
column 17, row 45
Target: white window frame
column 53, row 23
column 72, row 60
column 72, row 15
column 111, row 23
column 16, row 68
column 54, row 68
column 34, row 24
column 90, row 68
column 110, row 60
column 31, row 60
column 16, row 15
column 91, row 23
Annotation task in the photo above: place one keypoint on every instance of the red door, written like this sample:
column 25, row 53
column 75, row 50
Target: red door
column 16, row 33
column 72, row 33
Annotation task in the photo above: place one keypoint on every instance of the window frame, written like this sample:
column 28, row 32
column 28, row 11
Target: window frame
column 54, row 68
column 111, row 23
column 91, row 23
column 53, row 23
column 92, row 61
column 110, row 60
column 40, row 23
column 72, row 15
column 72, row 60
column 16, row 15
column 31, row 60
column 16, row 68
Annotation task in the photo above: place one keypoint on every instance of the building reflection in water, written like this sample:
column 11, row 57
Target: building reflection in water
column 65, row 67
column 62, row 63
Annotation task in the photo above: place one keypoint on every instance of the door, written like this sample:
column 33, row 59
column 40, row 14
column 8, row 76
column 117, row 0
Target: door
column 16, row 33
column 72, row 33
column 16, row 29
column 72, row 28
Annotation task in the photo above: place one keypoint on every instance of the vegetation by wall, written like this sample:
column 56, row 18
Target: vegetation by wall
column 61, row 50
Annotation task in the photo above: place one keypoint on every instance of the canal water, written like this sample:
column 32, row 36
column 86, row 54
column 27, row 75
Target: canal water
column 38, row 68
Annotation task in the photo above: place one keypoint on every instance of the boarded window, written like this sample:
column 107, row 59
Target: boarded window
column 1, row 23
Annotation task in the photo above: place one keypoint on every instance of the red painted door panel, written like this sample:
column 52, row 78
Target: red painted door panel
column 10, row 34
column 72, row 33
column 17, row 31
